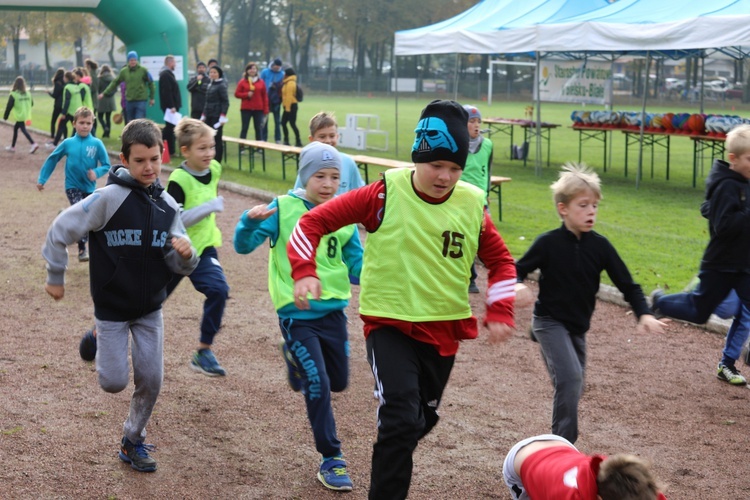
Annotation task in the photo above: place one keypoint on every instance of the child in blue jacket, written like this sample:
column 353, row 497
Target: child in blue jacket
column 83, row 152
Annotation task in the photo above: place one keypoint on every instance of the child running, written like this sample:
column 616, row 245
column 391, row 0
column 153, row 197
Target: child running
column 425, row 229
column 137, row 241
column 194, row 186
column 82, row 153
column 316, row 338
column 20, row 102
column 571, row 260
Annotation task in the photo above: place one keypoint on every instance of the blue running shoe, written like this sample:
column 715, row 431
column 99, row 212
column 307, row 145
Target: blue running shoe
column 136, row 454
column 87, row 347
column 293, row 375
column 333, row 474
column 205, row 362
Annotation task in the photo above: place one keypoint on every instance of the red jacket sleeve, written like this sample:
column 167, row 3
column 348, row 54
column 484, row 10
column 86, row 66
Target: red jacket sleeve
column 242, row 89
column 363, row 205
column 501, row 278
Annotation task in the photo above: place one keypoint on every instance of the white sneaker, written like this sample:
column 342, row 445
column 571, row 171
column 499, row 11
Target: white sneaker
column 33, row 149
column 10, row 148
column 49, row 145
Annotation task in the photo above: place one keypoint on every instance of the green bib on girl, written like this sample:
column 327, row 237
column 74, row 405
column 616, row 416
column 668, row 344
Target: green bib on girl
column 21, row 106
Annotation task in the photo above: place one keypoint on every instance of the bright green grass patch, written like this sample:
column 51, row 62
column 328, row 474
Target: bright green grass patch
column 656, row 228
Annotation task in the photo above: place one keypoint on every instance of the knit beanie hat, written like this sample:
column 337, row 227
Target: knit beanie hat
column 441, row 134
column 218, row 69
column 473, row 112
column 132, row 55
column 276, row 62
column 317, row 156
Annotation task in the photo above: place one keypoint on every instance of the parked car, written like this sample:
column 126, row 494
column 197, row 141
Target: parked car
column 736, row 91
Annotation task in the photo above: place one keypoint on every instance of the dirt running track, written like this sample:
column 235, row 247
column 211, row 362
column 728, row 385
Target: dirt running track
column 246, row 435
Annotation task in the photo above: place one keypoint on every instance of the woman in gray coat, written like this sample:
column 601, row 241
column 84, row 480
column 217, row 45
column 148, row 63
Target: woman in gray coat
column 106, row 104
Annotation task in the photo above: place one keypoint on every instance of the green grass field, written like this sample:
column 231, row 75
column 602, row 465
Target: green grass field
column 656, row 228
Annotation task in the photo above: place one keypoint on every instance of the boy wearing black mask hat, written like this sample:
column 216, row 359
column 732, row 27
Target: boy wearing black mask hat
column 414, row 284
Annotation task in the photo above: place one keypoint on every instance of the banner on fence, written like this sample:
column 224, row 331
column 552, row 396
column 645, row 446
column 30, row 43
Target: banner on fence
column 575, row 81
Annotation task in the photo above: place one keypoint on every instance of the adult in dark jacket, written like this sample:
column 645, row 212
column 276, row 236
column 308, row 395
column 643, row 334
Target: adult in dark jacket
column 58, row 83
column 169, row 98
column 217, row 105
column 106, row 103
column 197, row 86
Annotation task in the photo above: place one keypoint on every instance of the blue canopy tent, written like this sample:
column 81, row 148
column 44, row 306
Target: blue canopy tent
column 490, row 27
column 599, row 27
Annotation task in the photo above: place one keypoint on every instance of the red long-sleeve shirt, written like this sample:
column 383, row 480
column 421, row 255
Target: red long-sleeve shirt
column 365, row 206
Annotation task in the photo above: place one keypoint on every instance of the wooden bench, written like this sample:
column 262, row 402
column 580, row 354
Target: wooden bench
column 363, row 161
column 252, row 147
column 496, row 184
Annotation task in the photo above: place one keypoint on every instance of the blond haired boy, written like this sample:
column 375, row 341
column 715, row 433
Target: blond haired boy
column 194, row 186
column 548, row 466
column 571, row 260
column 323, row 128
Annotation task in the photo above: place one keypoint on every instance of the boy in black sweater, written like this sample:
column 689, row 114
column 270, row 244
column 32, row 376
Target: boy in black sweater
column 571, row 260
column 726, row 261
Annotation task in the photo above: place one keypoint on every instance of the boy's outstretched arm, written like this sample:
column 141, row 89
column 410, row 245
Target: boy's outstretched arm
column 501, row 280
column 255, row 226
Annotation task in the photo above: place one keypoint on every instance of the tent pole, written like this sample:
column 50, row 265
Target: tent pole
column 643, row 120
column 703, row 77
column 394, row 65
column 538, row 132
column 455, row 80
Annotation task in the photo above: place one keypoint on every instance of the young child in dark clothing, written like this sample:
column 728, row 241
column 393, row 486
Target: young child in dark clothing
column 726, row 261
column 571, row 260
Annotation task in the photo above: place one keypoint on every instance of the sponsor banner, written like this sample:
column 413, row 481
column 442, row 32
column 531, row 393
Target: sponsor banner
column 575, row 81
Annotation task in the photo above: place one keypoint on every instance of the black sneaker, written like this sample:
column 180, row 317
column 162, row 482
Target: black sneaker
column 136, row 454
column 473, row 288
column 87, row 347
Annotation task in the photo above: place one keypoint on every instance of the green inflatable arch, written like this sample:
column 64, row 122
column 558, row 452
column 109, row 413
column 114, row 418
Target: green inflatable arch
column 153, row 28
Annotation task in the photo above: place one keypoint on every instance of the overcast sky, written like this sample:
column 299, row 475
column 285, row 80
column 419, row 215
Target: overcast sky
column 210, row 7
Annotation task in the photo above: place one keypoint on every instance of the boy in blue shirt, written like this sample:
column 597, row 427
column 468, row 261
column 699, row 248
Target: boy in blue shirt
column 316, row 339
column 82, row 151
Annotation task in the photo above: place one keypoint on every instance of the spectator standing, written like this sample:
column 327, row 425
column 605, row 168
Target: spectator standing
column 169, row 98
column 106, row 104
column 58, row 82
column 290, row 103
column 139, row 87
column 273, row 78
column 251, row 91
column 93, row 68
column 197, row 87
column 217, row 105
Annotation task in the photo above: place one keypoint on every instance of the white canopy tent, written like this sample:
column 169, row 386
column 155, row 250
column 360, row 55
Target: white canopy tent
column 586, row 27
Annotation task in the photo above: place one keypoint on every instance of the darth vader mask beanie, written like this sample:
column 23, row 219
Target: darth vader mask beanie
column 442, row 134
